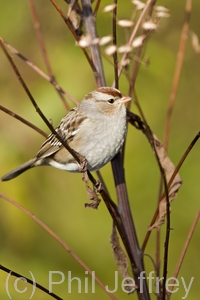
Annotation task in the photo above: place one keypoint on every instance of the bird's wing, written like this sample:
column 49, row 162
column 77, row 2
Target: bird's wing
column 67, row 129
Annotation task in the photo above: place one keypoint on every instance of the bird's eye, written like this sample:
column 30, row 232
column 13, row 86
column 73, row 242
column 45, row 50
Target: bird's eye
column 111, row 101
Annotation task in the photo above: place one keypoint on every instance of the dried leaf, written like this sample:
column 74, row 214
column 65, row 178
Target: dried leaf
column 73, row 16
column 169, row 168
column 92, row 196
column 121, row 262
column 110, row 7
column 125, row 23
column 110, row 50
column 195, row 42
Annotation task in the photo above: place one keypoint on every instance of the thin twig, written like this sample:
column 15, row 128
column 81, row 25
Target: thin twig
column 102, row 181
column 35, row 284
column 39, row 71
column 166, row 189
column 115, row 57
column 71, row 28
column 178, row 68
column 139, row 52
column 167, row 237
column 96, row 8
column 185, row 247
column 44, row 51
column 177, row 73
column 169, row 184
column 59, row 240
column 14, row 115
column 37, row 28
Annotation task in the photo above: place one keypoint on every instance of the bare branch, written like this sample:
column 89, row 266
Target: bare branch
column 14, row 115
column 185, row 247
column 178, row 68
column 98, row 2
column 44, row 51
column 169, row 184
column 139, row 52
column 59, row 240
column 115, row 58
column 40, row 287
column 39, row 71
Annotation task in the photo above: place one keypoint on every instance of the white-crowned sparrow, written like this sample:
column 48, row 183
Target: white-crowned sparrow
column 96, row 129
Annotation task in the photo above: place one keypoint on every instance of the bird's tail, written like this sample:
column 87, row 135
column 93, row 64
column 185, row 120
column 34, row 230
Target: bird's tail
column 14, row 173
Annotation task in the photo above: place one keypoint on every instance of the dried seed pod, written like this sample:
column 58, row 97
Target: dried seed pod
column 110, row 50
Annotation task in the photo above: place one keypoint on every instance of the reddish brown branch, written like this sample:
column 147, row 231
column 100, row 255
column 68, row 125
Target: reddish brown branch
column 178, row 68
column 12, row 114
column 115, row 57
column 39, row 71
column 98, row 2
column 185, row 247
column 43, row 50
column 59, row 240
column 169, row 184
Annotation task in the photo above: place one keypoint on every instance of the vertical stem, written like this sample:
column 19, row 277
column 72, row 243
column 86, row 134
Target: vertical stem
column 185, row 247
column 115, row 59
column 136, row 255
column 90, row 26
column 178, row 68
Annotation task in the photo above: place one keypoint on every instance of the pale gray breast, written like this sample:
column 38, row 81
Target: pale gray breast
column 102, row 143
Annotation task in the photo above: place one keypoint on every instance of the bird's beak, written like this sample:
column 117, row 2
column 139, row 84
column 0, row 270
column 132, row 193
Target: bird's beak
column 125, row 99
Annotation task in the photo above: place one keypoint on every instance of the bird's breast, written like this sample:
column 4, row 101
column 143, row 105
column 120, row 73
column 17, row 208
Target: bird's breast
column 99, row 144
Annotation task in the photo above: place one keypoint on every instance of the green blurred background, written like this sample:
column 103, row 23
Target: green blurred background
column 56, row 197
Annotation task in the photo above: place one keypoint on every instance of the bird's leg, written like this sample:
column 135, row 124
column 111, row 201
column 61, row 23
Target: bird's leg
column 82, row 164
column 98, row 186
column 83, row 170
